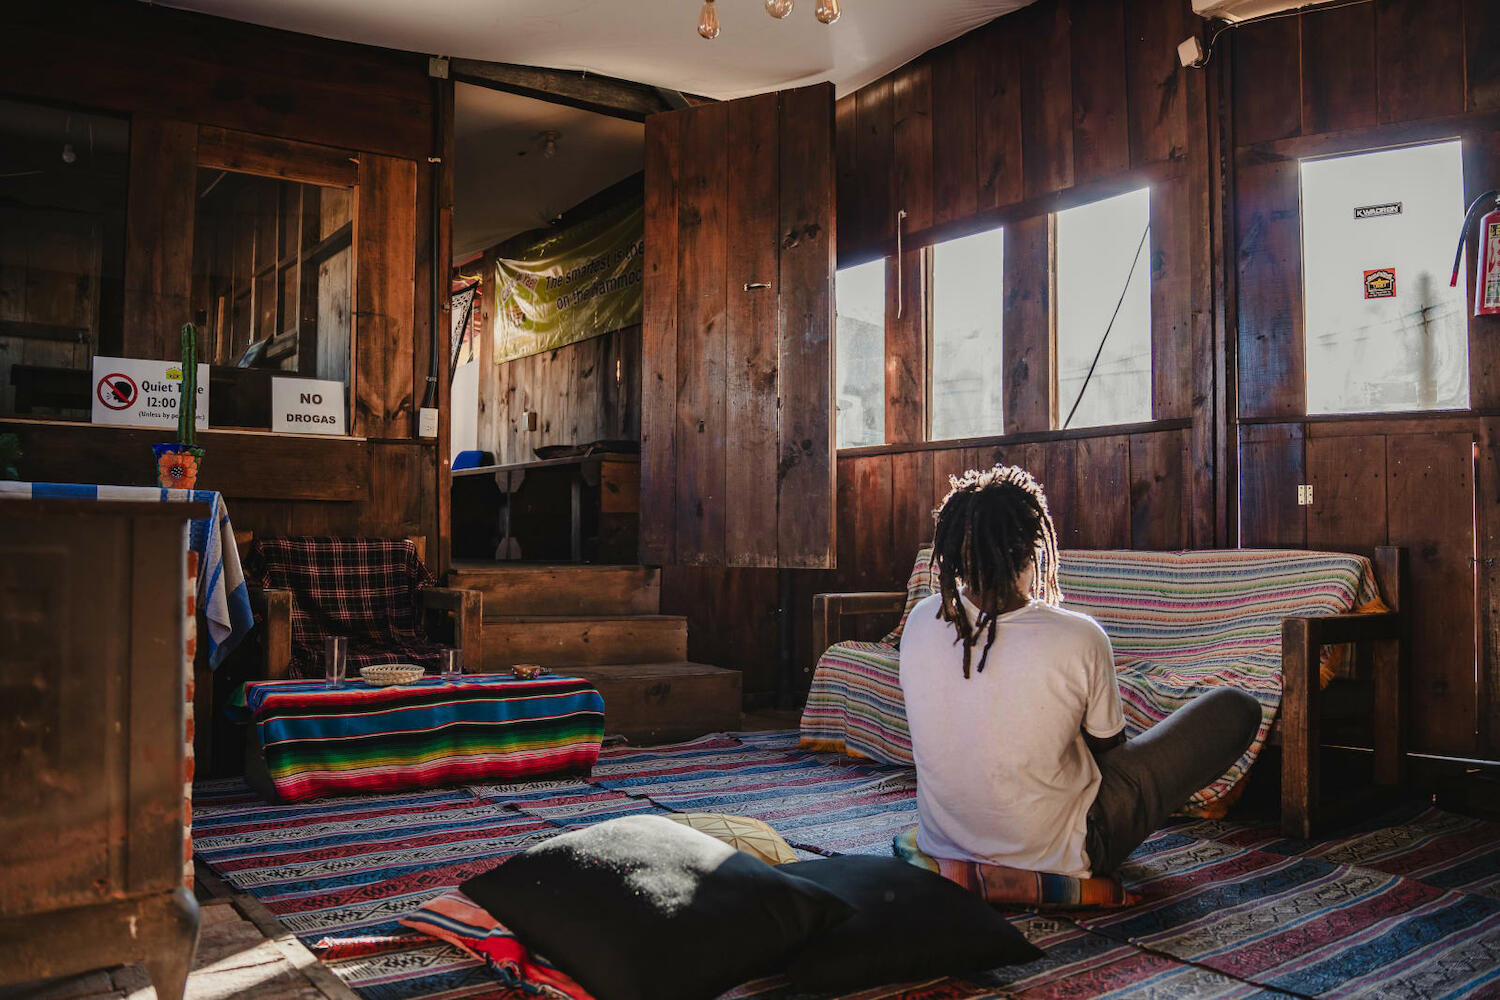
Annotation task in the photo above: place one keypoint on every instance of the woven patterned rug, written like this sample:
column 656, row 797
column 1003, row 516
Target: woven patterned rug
column 1407, row 907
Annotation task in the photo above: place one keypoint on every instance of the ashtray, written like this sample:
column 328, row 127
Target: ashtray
column 527, row 671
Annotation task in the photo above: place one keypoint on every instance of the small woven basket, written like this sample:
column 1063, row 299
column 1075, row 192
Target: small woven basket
column 386, row 674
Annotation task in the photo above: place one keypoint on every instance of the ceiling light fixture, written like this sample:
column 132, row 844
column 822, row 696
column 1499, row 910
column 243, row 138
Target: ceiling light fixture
column 708, row 20
column 778, row 8
column 828, row 11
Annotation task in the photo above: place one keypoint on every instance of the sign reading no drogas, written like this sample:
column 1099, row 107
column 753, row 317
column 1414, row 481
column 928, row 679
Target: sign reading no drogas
column 307, row 406
column 130, row 392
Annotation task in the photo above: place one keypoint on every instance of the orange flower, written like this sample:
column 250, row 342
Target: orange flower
column 177, row 470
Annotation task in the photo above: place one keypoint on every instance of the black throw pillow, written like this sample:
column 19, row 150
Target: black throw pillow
column 642, row 908
column 910, row 924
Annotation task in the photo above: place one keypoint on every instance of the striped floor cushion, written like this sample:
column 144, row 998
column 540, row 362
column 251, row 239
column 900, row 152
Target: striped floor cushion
column 1181, row 623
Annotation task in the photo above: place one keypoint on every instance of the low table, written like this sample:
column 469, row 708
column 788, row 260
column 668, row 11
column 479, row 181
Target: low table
column 308, row 740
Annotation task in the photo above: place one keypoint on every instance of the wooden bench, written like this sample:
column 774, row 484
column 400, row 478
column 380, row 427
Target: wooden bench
column 1380, row 641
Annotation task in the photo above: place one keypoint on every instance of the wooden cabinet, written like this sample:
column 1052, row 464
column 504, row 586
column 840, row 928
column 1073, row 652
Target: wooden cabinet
column 93, row 613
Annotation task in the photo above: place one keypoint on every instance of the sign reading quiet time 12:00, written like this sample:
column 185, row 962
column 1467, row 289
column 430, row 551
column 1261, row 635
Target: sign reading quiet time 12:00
column 307, row 406
column 133, row 392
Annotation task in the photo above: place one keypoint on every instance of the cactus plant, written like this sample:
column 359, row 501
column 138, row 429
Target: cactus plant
column 187, row 412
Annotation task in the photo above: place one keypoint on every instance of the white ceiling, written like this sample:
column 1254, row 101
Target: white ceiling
column 649, row 41
column 504, row 184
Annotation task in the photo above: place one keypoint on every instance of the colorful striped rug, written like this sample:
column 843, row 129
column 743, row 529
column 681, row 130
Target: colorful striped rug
column 1406, row 908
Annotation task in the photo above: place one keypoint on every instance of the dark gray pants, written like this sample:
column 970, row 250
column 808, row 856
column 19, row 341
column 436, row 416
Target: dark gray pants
column 1143, row 780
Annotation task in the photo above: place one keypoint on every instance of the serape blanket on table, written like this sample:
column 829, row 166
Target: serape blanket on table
column 321, row 741
column 1180, row 623
column 221, row 582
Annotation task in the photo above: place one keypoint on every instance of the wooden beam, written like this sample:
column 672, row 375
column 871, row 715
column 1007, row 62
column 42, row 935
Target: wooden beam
column 603, row 95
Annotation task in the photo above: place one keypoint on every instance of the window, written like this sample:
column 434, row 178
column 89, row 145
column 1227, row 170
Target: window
column 859, row 346
column 967, row 303
column 1383, row 329
column 272, row 285
column 1104, row 312
column 62, row 254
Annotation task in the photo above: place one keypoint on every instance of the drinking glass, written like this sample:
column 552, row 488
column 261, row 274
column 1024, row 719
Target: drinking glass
column 453, row 665
column 335, row 660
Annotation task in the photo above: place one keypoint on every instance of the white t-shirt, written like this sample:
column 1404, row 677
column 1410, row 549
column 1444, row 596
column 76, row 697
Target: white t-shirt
column 1003, row 773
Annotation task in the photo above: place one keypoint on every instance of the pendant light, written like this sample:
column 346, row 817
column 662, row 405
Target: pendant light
column 708, row 20
column 778, row 8
column 828, row 11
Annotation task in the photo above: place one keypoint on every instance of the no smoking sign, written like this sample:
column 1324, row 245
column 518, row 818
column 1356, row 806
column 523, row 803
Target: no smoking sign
column 117, row 391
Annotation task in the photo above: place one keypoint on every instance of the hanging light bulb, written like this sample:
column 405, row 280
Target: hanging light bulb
column 708, row 20
column 828, row 11
column 778, row 8
column 68, row 156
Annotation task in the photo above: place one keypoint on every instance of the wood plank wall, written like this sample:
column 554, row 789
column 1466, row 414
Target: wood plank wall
column 1360, row 77
column 190, row 83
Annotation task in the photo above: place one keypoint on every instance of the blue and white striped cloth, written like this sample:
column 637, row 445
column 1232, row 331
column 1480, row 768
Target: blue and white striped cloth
column 222, row 596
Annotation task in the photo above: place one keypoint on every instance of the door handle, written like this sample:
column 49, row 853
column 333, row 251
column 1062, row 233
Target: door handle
column 752, row 286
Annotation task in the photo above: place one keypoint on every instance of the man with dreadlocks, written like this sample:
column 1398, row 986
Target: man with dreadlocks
column 1020, row 747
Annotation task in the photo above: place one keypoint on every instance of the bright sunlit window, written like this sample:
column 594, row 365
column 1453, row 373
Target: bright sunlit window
column 859, row 295
column 1384, row 331
column 967, row 303
column 1103, row 369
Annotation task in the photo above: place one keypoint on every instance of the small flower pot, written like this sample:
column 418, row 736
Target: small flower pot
column 177, row 465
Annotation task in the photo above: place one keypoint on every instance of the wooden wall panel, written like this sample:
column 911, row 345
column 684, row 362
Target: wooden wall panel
column 906, row 348
column 1157, row 82
column 1419, row 58
column 750, row 335
column 1170, row 258
column 1102, row 498
column 1348, row 479
column 1026, row 342
column 1101, row 112
column 1158, row 492
column 1270, row 320
column 875, row 119
column 912, row 504
column 1272, row 464
column 702, row 289
column 146, row 59
column 1046, row 97
column 997, row 108
column 384, row 289
column 912, row 150
column 658, row 529
column 806, row 468
column 159, row 236
column 1267, row 81
column 581, row 393
column 1338, row 69
column 1431, row 511
column 955, row 180
column 1482, row 58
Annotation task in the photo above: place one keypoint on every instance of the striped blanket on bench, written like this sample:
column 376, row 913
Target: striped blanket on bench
column 1181, row 623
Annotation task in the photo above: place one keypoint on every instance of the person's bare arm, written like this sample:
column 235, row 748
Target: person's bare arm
column 1098, row 746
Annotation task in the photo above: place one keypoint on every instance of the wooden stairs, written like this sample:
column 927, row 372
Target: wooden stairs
column 603, row 623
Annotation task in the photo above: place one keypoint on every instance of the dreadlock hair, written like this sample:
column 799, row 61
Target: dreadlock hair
column 990, row 526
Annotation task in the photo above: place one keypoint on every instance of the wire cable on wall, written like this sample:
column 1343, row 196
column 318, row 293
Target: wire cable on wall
column 1129, row 276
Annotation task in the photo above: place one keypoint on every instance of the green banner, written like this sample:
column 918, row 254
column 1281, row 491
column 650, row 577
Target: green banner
column 577, row 283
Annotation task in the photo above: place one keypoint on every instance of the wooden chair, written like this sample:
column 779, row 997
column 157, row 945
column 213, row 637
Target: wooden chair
column 462, row 610
column 1381, row 647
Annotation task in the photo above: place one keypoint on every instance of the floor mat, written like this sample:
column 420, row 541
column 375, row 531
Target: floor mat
column 1406, row 907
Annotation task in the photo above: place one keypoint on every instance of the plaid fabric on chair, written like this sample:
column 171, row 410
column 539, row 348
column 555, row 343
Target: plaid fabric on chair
column 363, row 588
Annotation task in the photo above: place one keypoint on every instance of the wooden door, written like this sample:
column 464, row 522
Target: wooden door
column 737, row 459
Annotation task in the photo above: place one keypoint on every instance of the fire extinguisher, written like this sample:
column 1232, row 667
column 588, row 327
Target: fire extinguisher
column 1487, row 282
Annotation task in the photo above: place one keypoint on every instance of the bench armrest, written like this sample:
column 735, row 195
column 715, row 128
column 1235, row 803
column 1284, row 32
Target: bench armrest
column 274, row 609
column 466, row 607
column 830, row 610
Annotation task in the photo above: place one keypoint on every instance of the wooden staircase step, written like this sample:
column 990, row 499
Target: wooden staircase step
column 557, row 641
column 665, row 702
column 537, row 589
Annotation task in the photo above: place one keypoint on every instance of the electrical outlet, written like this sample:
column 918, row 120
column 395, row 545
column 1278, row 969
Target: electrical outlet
column 528, row 420
column 427, row 422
